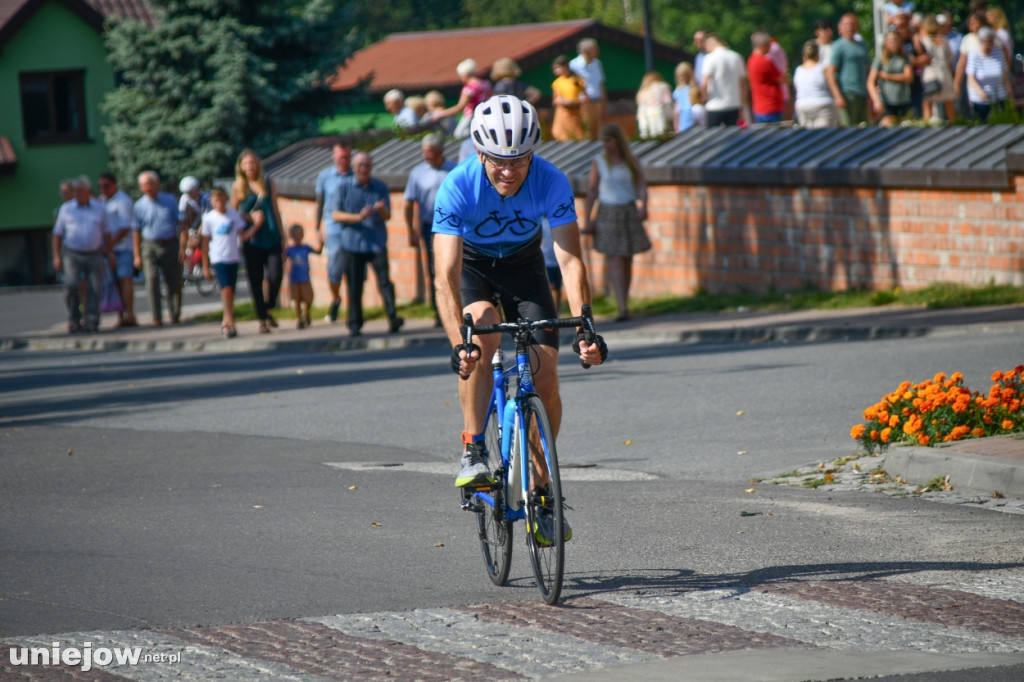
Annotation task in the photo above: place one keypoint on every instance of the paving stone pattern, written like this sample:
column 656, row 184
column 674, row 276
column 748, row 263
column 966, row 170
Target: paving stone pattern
column 531, row 641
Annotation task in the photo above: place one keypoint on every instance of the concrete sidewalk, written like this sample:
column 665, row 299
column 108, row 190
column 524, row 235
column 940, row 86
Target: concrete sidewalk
column 977, row 465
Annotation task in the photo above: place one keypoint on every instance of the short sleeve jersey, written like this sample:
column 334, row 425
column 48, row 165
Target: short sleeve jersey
column 222, row 229
column 468, row 206
column 298, row 254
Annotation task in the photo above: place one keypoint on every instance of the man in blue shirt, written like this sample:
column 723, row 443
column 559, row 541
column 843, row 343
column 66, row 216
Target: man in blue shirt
column 424, row 181
column 487, row 242
column 328, row 185
column 159, row 245
column 363, row 206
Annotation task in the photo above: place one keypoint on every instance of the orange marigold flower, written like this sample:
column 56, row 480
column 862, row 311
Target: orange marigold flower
column 956, row 377
column 884, row 435
column 871, row 412
column 977, row 432
column 912, row 426
column 987, row 419
column 1013, row 406
column 894, row 420
column 923, row 439
column 997, row 375
column 873, row 434
column 939, row 378
column 857, row 431
column 1007, row 424
column 959, row 432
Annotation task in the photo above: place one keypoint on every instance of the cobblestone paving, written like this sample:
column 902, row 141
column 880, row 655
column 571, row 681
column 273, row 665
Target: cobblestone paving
column 946, row 607
column 598, row 621
column 867, row 474
column 530, row 641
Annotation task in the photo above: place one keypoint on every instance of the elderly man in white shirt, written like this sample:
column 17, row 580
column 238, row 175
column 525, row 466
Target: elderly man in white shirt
column 79, row 242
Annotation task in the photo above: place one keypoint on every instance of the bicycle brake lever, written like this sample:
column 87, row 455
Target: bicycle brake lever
column 588, row 328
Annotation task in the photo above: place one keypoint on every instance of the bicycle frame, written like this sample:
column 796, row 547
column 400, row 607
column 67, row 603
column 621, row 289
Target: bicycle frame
column 511, row 413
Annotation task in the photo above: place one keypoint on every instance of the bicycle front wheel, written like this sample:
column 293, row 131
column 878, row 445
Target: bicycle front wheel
column 495, row 528
column 545, row 517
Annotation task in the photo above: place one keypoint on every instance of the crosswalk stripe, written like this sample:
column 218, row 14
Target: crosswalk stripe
column 528, row 651
column 817, row 623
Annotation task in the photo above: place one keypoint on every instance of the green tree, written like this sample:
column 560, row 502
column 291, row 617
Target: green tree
column 214, row 76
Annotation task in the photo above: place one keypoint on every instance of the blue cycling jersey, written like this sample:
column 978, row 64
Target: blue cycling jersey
column 468, row 206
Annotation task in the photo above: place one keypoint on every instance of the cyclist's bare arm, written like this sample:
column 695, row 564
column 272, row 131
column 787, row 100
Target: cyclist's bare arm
column 448, row 283
column 574, row 279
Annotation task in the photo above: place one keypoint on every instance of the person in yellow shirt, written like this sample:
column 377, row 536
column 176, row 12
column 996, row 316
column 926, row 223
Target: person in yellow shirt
column 567, row 96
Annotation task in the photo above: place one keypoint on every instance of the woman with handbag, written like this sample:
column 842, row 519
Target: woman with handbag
column 937, row 77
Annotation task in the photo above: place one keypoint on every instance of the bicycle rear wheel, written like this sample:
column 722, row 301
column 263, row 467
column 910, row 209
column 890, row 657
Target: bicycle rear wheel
column 495, row 528
column 547, row 555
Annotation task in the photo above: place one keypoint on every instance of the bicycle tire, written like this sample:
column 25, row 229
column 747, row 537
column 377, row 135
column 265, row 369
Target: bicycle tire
column 495, row 528
column 548, row 561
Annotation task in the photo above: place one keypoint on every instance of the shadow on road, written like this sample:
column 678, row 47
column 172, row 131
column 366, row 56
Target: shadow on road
column 654, row 581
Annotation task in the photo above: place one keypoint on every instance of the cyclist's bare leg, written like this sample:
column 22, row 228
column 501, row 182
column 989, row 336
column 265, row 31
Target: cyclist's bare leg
column 544, row 360
column 475, row 393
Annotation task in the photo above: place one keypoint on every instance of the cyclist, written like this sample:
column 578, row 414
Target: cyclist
column 487, row 246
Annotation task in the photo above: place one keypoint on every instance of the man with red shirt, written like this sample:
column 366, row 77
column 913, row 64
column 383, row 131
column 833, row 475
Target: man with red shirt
column 766, row 80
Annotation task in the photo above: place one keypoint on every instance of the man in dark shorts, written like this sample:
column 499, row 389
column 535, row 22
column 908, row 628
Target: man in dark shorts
column 487, row 244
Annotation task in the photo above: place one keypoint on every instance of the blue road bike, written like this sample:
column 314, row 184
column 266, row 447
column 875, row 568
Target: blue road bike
column 520, row 450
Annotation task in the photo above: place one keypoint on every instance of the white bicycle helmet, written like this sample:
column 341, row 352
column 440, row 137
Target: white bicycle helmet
column 188, row 184
column 505, row 126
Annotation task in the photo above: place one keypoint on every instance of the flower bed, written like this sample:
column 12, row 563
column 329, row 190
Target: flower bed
column 941, row 410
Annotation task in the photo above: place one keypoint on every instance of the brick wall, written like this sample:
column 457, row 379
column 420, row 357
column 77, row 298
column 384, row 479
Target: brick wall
column 728, row 238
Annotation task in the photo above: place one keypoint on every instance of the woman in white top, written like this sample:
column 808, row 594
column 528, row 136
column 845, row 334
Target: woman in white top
column 619, row 187
column 814, row 105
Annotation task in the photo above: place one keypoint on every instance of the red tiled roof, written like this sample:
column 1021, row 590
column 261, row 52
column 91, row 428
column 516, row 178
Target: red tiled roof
column 8, row 159
column 427, row 59
column 137, row 10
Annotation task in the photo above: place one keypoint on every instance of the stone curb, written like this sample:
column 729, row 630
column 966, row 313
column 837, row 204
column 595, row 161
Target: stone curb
column 621, row 338
column 981, row 474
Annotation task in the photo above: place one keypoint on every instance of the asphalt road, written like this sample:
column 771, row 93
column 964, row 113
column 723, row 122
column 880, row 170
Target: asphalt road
column 147, row 490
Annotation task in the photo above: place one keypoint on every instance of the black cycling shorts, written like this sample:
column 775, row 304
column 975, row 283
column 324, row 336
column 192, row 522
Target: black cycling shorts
column 519, row 282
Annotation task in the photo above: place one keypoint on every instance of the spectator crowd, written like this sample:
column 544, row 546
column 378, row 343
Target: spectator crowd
column 927, row 69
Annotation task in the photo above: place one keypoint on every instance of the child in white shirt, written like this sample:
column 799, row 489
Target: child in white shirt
column 221, row 229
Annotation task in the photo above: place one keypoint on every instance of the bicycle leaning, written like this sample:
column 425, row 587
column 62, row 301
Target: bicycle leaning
column 520, row 450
